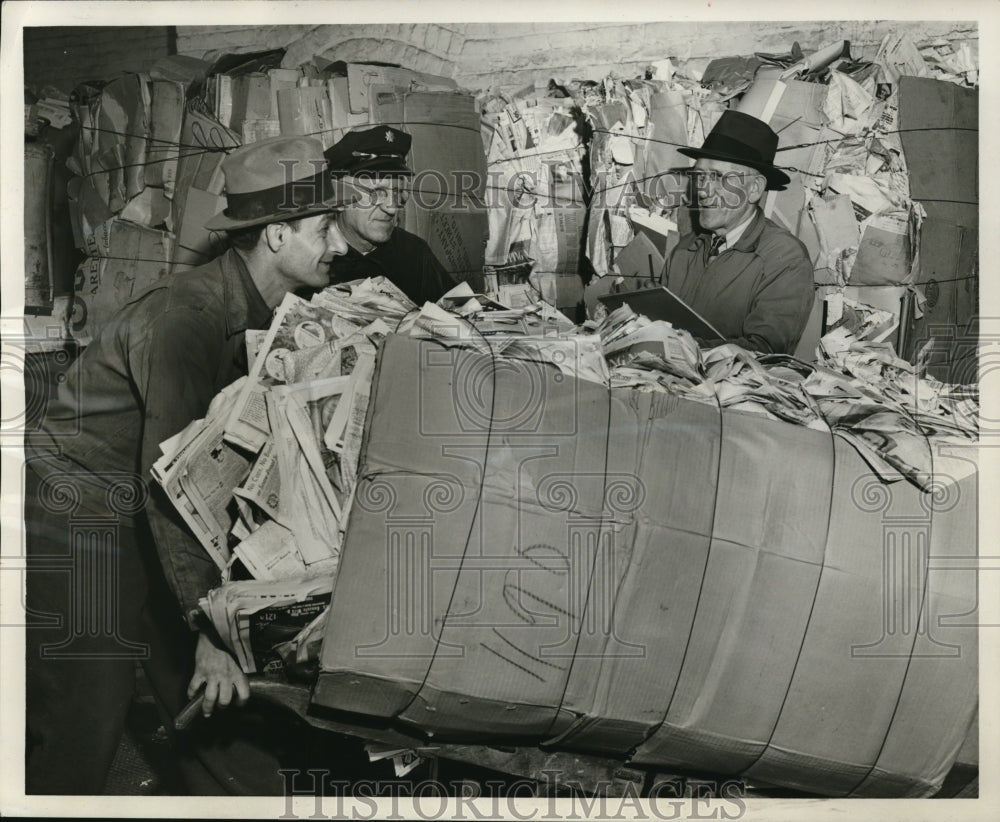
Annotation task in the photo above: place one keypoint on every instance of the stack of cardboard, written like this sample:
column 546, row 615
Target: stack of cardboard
column 149, row 160
column 637, row 127
column 878, row 158
column 126, row 199
column 126, row 160
column 940, row 123
column 856, row 199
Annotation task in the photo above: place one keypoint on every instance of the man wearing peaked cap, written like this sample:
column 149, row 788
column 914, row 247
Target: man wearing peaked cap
column 746, row 275
column 374, row 162
column 151, row 370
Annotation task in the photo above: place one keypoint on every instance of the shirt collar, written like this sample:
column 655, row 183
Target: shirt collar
column 245, row 308
column 746, row 240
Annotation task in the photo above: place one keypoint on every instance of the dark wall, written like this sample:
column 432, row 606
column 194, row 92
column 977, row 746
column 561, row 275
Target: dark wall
column 65, row 56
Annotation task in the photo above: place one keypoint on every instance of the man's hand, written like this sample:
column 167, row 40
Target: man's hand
column 215, row 668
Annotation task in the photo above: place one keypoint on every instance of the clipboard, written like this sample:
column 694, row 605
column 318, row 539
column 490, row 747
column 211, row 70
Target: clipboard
column 662, row 304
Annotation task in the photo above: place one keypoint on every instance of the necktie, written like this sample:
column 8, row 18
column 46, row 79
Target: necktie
column 713, row 250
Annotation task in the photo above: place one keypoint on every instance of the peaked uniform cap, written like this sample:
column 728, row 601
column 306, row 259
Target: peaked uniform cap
column 379, row 151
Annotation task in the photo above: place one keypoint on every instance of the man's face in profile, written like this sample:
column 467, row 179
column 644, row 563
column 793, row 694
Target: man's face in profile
column 371, row 221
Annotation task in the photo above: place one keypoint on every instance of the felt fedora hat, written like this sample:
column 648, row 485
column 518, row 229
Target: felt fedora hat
column 377, row 152
column 281, row 178
column 745, row 140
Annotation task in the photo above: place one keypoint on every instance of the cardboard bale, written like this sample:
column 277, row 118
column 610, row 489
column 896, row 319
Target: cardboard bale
column 126, row 259
column 627, row 664
column 362, row 77
column 166, row 123
column 616, row 570
column 204, row 139
column 379, row 665
column 948, row 279
column 941, row 626
column 759, row 580
column 490, row 559
column 939, row 130
column 306, row 110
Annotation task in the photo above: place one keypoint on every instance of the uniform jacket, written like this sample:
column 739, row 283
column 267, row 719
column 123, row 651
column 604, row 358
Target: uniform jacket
column 758, row 294
column 405, row 259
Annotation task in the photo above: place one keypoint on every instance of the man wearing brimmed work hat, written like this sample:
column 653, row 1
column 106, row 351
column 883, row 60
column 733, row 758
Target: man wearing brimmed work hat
column 151, row 370
column 374, row 162
column 747, row 276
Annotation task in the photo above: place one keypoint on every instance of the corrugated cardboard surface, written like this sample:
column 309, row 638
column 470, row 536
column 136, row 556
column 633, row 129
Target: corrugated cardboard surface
column 939, row 130
column 619, row 571
column 948, row 278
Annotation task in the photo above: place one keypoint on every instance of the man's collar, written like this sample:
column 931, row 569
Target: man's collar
column 245, row 308
column 734, row 234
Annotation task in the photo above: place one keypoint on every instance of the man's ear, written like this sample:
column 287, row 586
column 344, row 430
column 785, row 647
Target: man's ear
column 275, row 234
column 756, row 189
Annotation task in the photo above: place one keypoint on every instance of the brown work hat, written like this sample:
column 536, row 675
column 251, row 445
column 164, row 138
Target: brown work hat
column 278, row 179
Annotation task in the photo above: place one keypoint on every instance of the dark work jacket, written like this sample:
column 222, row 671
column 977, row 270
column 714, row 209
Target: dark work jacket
column 758, row 294
column 151, row 370
column 405, row 259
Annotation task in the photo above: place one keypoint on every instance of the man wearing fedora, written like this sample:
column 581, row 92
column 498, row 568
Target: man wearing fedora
column 151, row 370
column 746, row 275
column 374, row 161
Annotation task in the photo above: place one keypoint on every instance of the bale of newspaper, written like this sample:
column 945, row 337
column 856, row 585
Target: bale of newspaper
column 493, row 524
column 704, row 560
